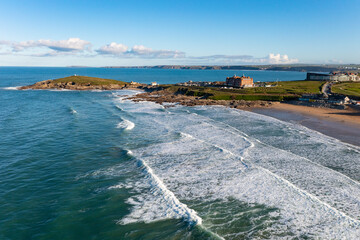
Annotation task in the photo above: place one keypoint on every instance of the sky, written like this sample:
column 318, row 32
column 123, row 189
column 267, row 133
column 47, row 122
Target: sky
column 181, row 32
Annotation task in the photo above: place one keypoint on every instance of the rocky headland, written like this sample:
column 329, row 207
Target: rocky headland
column 170, row 99
column 81, row 83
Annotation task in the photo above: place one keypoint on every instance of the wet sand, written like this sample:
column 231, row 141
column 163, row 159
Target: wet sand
column 340, row 124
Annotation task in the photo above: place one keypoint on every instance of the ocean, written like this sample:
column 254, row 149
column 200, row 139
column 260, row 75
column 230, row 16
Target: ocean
column 94, row 165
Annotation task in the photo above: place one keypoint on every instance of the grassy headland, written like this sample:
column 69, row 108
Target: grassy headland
column 82, row 80
column 351, row 89
column 280, row 91
column 78, row 83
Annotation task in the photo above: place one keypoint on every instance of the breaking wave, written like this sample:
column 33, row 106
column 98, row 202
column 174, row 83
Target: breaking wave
column 73, row 111
column 125, row 124
column 161, row 203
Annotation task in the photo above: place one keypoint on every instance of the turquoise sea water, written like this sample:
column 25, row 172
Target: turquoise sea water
column 93, row 165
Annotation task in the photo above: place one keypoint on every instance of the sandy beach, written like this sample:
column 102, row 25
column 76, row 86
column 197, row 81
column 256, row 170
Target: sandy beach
column 341, row 124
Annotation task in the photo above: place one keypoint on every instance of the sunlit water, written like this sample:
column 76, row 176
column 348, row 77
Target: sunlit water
column 93, row 165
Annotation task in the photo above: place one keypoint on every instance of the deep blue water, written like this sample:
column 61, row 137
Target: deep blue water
column 93, row 165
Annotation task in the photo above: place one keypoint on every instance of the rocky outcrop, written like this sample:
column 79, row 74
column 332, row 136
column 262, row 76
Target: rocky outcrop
column 49, row 84
column 169, row 99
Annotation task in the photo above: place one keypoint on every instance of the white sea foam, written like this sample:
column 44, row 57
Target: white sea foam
column 11, row 88
column 172, row 202
column 73, row 111
column 59, row 90
column 121, row 186
column 118, row 107
column 110, row 172
column 141, row 107
column 212, row 179
column 122, row 95
column 125, row 124
column 165, row 204
column 225, row 153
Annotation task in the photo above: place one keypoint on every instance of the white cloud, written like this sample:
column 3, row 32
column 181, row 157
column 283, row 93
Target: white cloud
column 71, row 46
column 120, row 50
column 140, row 50
column 246, row 59
column 220, row 57
column 279, row 59
column 75, row 46
column 113, row 49
column 5, row 50
column 3, row 42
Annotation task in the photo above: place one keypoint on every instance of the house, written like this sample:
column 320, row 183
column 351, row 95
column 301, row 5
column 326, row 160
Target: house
column 339, row 99
column 237, row 81
column 154, row 84
column 341, row 77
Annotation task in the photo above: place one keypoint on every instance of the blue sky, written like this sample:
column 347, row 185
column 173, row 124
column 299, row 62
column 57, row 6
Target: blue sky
column 102, row 33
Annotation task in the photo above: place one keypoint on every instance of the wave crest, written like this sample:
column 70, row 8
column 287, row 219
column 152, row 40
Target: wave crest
column 125, row 124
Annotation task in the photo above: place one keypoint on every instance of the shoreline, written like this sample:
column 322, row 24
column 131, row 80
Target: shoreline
column 343, row 125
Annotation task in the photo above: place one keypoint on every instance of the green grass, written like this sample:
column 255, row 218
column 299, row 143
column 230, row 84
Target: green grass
column 282, row 91
column 347, row 88
column 252, row 97
column 288, row 87
column 300, row 87
column 81, row 80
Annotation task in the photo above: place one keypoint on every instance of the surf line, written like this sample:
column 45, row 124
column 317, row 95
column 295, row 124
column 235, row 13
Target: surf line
column 245, row 137
column 244, row 151
column 289, row 184
column 187, row 214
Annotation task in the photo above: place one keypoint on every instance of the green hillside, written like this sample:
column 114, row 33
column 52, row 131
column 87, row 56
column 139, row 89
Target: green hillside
column 347, row 88
column 81, row 80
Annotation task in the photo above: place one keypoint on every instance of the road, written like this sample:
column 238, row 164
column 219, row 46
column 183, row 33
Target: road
column 326, row 89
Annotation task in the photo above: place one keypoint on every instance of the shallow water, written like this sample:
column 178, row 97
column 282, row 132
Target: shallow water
column 93, row 165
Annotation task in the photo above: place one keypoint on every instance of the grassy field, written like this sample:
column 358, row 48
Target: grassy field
column 81, row 80
column 282, row 91
column 347, row 88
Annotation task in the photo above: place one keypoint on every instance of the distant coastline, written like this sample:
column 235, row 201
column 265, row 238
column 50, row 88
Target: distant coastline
column 275, row 67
